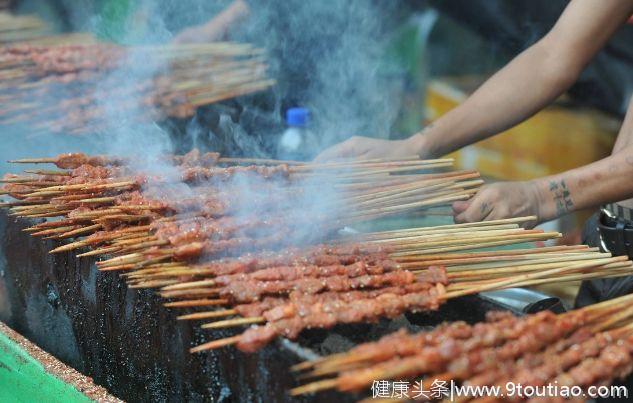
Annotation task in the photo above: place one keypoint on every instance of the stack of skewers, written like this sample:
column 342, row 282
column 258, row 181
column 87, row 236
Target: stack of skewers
column 221, row 208
column 335, row 287
column 81, row 89
column 203, row 253
column 592, row 346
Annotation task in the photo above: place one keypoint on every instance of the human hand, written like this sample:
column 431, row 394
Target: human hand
column 367, row 148
column 217, row 29
column 500, row 200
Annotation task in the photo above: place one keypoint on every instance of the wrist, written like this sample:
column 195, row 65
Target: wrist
column 538, row 200
column 553, row 198
column 419, row 143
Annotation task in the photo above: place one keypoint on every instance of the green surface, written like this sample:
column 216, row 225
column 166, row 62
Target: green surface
column 24, row 379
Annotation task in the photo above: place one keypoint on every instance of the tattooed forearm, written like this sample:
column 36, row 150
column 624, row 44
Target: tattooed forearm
column 562, row 196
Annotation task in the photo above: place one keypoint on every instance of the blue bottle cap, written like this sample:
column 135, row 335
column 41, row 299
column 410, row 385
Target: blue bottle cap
column 299, row 117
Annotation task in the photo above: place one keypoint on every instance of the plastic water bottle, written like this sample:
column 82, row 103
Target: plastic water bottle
column 296, row 142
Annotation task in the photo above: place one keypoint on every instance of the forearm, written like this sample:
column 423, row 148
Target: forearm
column 530, row 81
column 526, row 85
column 238, row 10
column 604, row 181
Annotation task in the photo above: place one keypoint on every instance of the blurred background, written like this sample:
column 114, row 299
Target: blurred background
column 377, row 68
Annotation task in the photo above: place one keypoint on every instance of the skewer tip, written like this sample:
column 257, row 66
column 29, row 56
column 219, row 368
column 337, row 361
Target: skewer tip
column 32, row 161
column 68, row 247
column 221, row 324
column 314, row 387
column 212, row 345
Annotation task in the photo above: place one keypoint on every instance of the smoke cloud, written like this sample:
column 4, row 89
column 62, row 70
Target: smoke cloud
column 325, row 55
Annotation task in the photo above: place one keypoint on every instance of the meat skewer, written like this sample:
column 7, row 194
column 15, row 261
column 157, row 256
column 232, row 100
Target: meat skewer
column 390, row 305
column 111, row 209
column 532, row 350
column 33, row 75
column 73, row 161
column 328, row 314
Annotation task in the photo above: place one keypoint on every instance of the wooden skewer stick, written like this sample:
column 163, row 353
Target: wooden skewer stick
column 96, row 200
column 216, row 344
column 428, row 245
column 19, row 179
column 47, row 172
column 144, row 245
column 86, row 186
column 54, row 224
column 530, row 276
column 515, row 220
column 190, row 292
column 576, row 277
column 472, row 246
column 125, row 266
column 609, row 304
column 221, row 324
column 53, row 231
column 415, row 160
column 314, row 387
column 43, row 193
column 58, row 213
column 34, row 161
column 102, row 251
column 208, row 315
column 615, row 269
column 30, row 206
column 623, row 271
column 496, row 253
column 80, row 231
column 196, row 302
column 454, row 264
column 152, row 284
column 536, row 264
column 130, row 258
column 158, row 268
column 190, row 284
column 139, row 238
column 175, row 271
column 69, row 247
column 444, row 232
column 429, row 239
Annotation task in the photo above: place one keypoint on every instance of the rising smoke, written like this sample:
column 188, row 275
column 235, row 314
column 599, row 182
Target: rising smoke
column 325, row 55
column 329, row 57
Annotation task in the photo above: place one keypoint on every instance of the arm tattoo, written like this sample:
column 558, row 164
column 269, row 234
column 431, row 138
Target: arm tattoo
column 562, row 197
